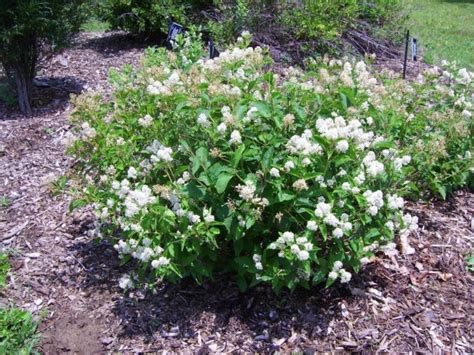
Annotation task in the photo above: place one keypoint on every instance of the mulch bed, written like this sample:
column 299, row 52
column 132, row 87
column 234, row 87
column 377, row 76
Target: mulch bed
column 422, row 302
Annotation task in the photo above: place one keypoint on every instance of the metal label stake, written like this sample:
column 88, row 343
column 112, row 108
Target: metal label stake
column 414, row 49
column 213, row 52
column 406, row 55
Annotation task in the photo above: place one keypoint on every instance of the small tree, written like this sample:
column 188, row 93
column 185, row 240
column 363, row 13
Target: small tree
column 29, row 31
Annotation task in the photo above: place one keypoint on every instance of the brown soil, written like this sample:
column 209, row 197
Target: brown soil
column 422, row 302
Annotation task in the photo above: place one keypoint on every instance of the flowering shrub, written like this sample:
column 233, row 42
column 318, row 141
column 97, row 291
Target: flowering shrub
column 198, row 167
column 429, row 119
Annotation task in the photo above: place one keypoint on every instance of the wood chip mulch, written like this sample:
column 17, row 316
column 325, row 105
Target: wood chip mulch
column 422, row 302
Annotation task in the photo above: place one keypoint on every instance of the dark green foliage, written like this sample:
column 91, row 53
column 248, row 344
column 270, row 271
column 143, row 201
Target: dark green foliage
column 148, row 17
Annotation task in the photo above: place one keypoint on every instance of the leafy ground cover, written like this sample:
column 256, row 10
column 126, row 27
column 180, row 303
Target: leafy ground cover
column 416, row 303
column 17, row 331
column 17, row 328
column 445, row 29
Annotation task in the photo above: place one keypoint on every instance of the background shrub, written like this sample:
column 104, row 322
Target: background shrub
column 29, row 31
column 149, row 17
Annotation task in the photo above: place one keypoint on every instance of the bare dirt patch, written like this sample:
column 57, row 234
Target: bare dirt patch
column 423, row 302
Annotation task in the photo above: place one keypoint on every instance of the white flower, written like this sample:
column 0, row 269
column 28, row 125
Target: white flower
column 161, row 261
column 132, row 173
column 395, row 202
column 295, row 249
column 345, row 276
column 208, row 217
column 312, row 226
column 125, row 282
column 193, row 218
column 337, row 265
column 373, row 210
column 333, row 275
column 322, row 209
column 300, row 185
column 247, row 191
column 337, row 233
column 342, row 146
column 466, row 114
column 302, row 255
column 303, row 145
column 235, row 137
column 464, row 76
column 203, row 121
column 346, row 186
column 306, row 162
column 275, row 172
column 289, row 165
column 390, row 225
column 288, row 237
column 145, row 121
column 374, row 168
column 222, row 128
column 331, row 220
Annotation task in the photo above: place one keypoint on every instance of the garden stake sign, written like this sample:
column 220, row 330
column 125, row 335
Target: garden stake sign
column 414, row 49
column 213, row 52
column 174, row 29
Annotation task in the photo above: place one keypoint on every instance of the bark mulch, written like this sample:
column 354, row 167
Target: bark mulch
column 422, row 302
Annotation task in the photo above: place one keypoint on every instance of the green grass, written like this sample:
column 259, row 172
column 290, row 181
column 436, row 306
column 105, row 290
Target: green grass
column 94, row 25
column 445, row 29
column 18, row 333
column 18, row 330
column 4, row 268
column 4, row 202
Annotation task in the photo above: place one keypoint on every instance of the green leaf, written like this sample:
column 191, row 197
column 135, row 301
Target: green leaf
column 441, row 190
column 194, row 191
column 242, row 283
column 267, row 159
column 222, row 182
column 77, row 203
column 263, row 108
column 237, row 156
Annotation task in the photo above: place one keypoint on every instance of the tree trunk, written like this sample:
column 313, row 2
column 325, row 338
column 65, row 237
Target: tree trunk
column 24, row 84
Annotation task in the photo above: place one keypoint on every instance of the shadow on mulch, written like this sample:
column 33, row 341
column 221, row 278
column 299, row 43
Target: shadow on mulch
column 116, row 41
column 177, row 312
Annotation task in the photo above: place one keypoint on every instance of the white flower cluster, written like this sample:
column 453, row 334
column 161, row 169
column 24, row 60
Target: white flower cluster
column 235, row 137
column 374, row 200
column 338, row 271
column 298, row 246
column 247, row 191
column 364, row 79
column 373, row 167
column 167, row 87
column 159, row 152
column 303, row 145
column 464, row 76
column 202, row 120
column 257, row 259
column 399, row 163
column 323, row 210
column 395, row 202
column 137, row 200
column 338, row 129
column 142, row 251
column 410, row 224
column 87, row 131
column 145, row 121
